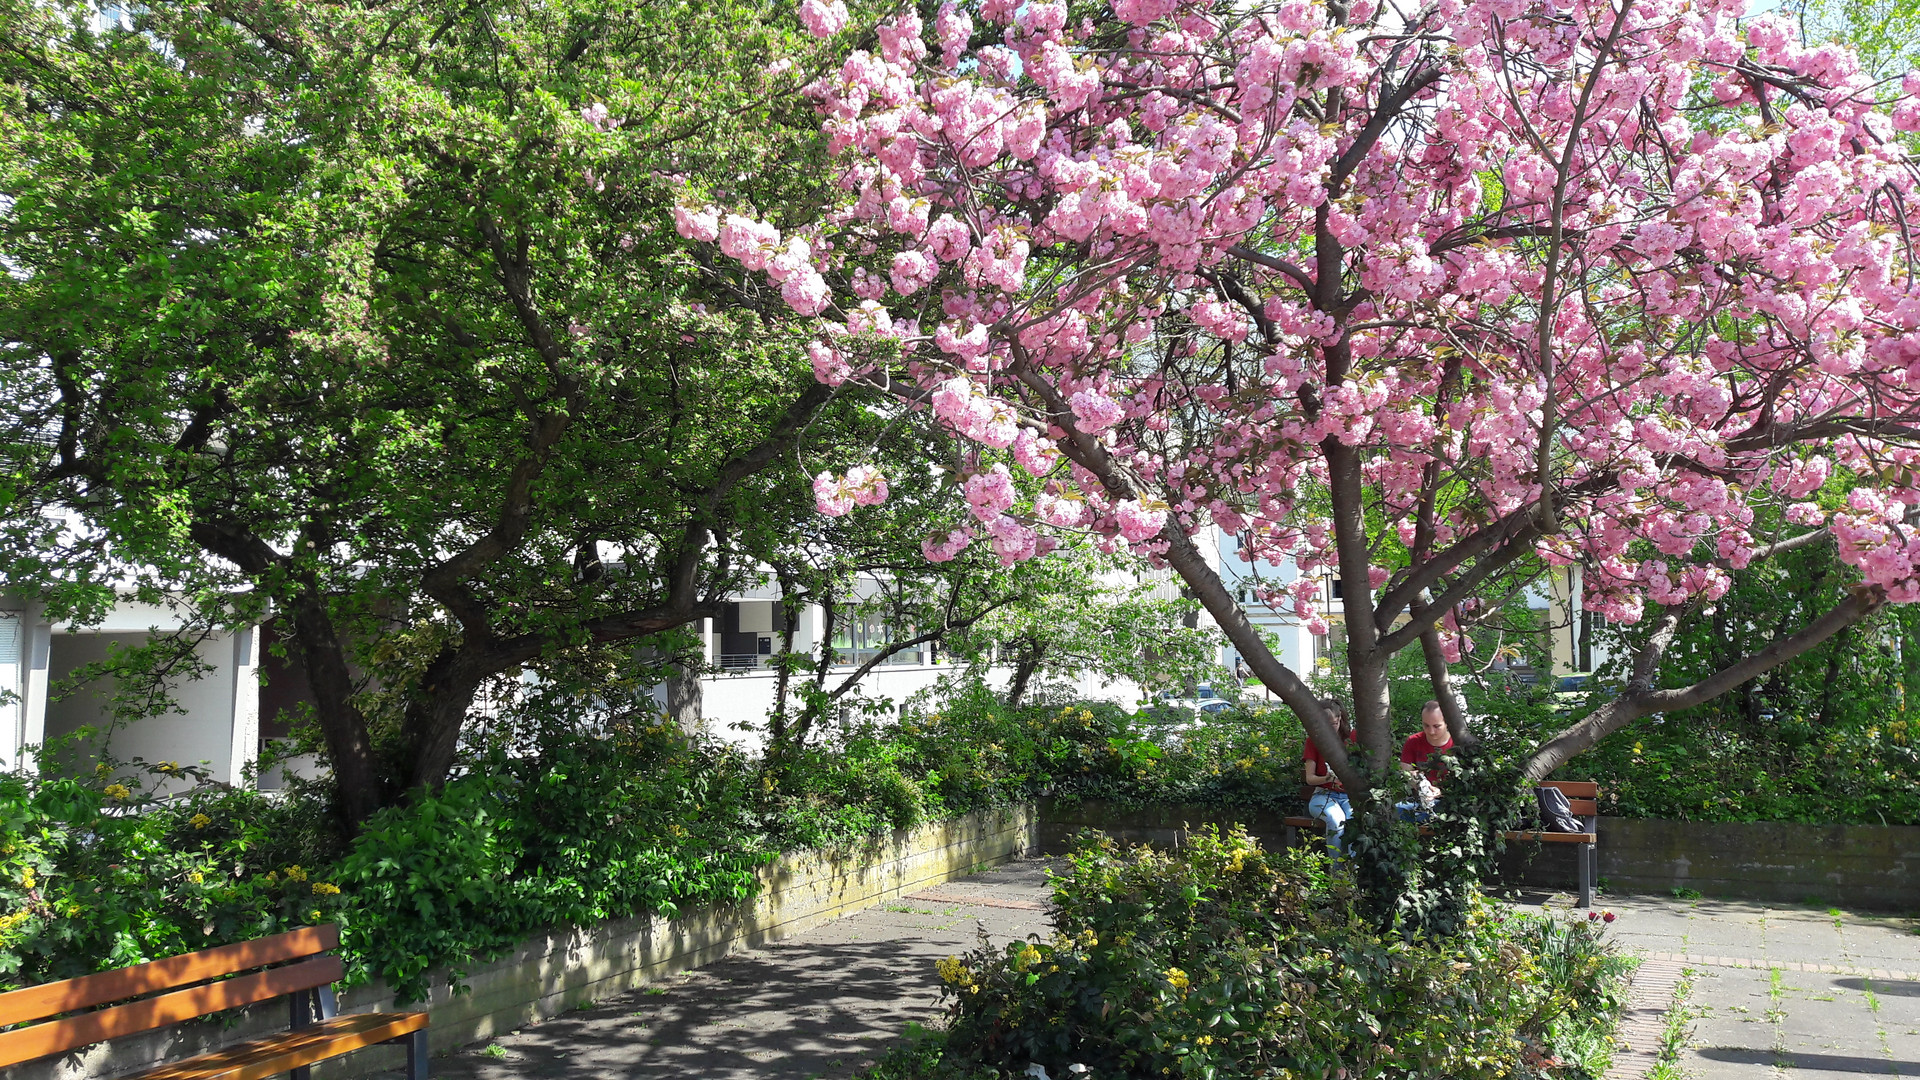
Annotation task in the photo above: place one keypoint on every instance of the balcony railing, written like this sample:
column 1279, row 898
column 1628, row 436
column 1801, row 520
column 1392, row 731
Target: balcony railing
column 846, row 658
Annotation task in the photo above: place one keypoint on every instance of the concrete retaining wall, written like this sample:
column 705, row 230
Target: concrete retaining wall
column 552, row 973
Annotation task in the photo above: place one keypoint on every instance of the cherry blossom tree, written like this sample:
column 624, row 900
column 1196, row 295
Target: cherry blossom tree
column 1429, row 298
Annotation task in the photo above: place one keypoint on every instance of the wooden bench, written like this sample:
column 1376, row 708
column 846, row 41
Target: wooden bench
column 1584, row 795
column 296, row 965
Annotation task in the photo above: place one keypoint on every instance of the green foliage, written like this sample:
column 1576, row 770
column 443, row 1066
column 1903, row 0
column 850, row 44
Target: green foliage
column 1826, row 737
column 1222, row 960
column 97, row 872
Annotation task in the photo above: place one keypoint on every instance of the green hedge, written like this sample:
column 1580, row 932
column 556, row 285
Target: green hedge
column 1221, row 960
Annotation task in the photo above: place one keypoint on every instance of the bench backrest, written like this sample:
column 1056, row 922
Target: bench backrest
column 1583, row 794
column 181, row 988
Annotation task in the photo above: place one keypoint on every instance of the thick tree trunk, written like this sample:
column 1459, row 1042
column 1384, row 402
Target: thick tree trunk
column 1023, row 670
column 358, row 785
column 685, row 700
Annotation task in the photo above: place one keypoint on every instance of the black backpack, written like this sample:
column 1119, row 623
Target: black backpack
column 1556, row 813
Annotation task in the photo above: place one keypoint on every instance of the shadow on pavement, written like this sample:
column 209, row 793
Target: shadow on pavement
column 1888, row 987
column 794, row 1010
column 1786, row 1059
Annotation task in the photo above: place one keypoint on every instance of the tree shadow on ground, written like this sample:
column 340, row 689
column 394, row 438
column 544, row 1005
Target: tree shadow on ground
column 788, row 1011
column 1787, row 1059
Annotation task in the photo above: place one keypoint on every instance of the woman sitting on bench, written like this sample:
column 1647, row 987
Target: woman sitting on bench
column 1329, row 802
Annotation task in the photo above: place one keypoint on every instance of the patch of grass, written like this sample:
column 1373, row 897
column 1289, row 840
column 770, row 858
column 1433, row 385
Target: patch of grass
column 494, row 1051
column 1683, row 893
column 654, row 991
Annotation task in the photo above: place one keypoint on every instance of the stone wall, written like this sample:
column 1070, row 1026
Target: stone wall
column 552, row 973
column 1861, row 867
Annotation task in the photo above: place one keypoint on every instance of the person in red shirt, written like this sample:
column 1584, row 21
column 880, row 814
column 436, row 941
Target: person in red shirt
column 1329, row 800
column 1419, row 758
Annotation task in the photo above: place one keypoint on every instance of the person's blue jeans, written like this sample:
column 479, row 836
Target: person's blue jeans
column 1332, row 808
column 1410, row 811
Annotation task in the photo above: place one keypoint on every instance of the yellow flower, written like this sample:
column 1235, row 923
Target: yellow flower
column 199, row 821
column 197, row 877
column 1179, row 979
column 1238, row 862
column 1024, row 957
column 168, row 767
column 118, row 791
column 27, row 879
column 12, row 919
column 1637, row 748
column 322, row 888
column 1203, row 1040
column 1089, row 939
column 295, row 873
column 273, row 876
column 316, row 915
column 953, row 971
column 100, row 769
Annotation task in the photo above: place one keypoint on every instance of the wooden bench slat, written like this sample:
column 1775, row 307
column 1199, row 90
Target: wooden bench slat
column 1584, row 807
column 59, row 1036
column 1553, row 837
column 52, row 999
column 275, row 1054
column 1575, row 789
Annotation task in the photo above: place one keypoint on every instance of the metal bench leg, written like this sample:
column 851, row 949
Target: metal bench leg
column 300, row 1007
column 417, row 1055
column 1586, row 875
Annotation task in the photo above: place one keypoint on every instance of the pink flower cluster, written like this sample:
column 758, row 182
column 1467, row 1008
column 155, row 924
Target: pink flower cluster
column 1113, row 233
column 863, row 485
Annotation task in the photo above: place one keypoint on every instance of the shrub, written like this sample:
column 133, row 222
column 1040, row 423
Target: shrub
column 1222, row 960
column 97, row 872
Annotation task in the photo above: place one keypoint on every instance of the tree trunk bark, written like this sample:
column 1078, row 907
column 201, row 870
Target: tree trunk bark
column 358, row 785
column 685, row 700
column 1023, row 670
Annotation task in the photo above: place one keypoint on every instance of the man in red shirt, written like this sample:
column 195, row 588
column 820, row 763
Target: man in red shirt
column 1432, row 740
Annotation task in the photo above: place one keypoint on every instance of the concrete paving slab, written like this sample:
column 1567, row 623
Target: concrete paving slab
column 1844, row 1004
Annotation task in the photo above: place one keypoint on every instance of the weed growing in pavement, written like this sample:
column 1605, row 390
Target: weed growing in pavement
column 1679, row 1028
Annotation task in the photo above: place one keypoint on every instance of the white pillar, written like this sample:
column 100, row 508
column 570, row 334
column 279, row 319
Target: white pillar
column 33, row 723
column 12, row 681
column 245, row 748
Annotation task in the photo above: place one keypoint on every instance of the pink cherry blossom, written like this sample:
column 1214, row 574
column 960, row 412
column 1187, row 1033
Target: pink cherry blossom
column 830, row 495
column 1138, row 523
column 1632, row 284
column 823, row 18
column 697, row 223
column 990, row 493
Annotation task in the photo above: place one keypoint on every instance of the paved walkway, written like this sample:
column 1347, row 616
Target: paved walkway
column 1779, row 991
column 818, row 1005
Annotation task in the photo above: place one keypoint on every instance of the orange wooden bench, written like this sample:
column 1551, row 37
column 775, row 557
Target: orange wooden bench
column 297, row 965
column 1584, row 795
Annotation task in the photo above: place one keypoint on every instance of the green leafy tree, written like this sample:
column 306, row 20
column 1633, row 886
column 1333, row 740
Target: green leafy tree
column 364, row 319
